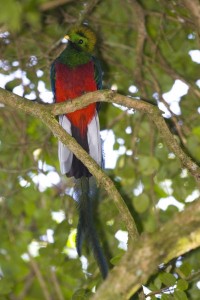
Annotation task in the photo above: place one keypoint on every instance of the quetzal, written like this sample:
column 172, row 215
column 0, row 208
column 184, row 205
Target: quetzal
column 73, row 73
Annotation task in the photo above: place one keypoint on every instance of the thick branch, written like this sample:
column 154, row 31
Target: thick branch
column 179, row 236
column 95, row 170
column 153, row 113
column 194, row 8
column 104, row 96
column 43, row 112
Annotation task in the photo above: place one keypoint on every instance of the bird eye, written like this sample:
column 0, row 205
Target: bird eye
column 80, row 41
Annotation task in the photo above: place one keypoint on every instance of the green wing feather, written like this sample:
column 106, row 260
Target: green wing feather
column 98, row 72
column 53, row 79
column 98, row 76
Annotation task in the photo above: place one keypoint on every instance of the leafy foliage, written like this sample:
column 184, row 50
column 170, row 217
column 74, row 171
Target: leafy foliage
column 144, row 47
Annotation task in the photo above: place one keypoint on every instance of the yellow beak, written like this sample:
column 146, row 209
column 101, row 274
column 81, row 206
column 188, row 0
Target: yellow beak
column 67, row 37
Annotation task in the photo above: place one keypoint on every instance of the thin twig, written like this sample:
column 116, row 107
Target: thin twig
column 56, row 285
column 40, row 277
column 53, row 4
column 27, row 285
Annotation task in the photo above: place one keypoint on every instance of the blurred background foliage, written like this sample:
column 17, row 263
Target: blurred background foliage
column 149, row 50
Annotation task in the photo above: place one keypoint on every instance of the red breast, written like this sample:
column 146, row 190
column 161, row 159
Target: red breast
column 72, row 83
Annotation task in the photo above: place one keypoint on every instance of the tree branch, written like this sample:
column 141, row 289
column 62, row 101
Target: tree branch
column 40, row 278
column 139, row 15
column 47, row 112
column 194, row 8
column 177, row 237
column 53, row 4
column 153, row 113
column 43, row 112
column 55, row 282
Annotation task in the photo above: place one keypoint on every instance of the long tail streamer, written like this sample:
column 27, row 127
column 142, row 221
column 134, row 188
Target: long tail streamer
column 85, row 229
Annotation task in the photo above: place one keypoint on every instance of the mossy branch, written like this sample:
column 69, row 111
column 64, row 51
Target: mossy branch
column 177, row 237
column 44, row 113
column 47, row 112
column 38, row 110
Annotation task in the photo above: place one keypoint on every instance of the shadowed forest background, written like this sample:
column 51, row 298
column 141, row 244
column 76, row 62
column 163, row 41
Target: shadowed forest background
column 149, row 50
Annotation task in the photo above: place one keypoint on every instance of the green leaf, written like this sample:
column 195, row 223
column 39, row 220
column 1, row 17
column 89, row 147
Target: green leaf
column 141, row 203
column 150, row 223
column 10, row 85
column 196, row 131
column 167, row 279
column 115, row 260
column 116, row 146
column 193, row 145
column 157, row 283
column 166, row 297
column 184, row 270
column 81, row 294
column 148, row 164
column 180, row 295
column 159, row 191
column 14, row 9
column 182, row 284
column 6, row 286
column 153, row 298
column 61, row 234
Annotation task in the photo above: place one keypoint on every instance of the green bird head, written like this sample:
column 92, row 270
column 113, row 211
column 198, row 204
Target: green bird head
column 82, row 38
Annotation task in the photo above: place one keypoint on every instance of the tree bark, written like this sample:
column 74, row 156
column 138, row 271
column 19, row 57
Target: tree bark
column 177, row 237
column 47, row 112
column 194, row 8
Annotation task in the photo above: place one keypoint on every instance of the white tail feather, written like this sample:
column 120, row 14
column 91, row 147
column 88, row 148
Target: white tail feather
column 65, row 156
column 94, row 140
